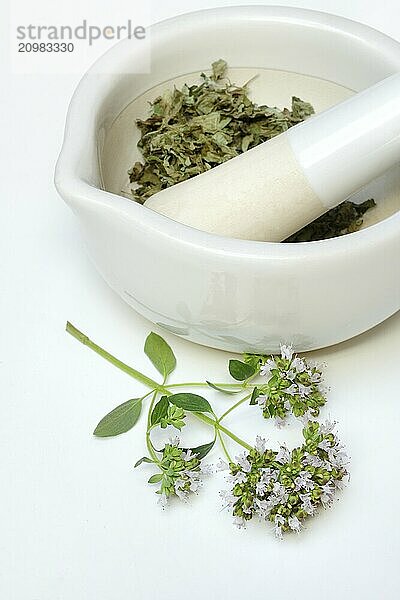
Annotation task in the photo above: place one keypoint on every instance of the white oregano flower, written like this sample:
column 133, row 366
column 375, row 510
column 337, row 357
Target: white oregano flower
column 260, row 444
column 294, row 524
column 162, row 501
column 174, row 441
column 222, row 465
column 283, row 456
column 286, row 352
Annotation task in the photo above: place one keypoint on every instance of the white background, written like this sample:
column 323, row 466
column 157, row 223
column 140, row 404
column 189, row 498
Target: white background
column 77, row 522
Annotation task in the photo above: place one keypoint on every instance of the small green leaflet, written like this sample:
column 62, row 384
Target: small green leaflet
column 240, row 370
column 119, row 420
column 190, row 402
column 144, row 459
column 255, row 360
column 203, row 450
column 155, row 478
column 159, row 411
column 221, row 389
column 254, row 396
column 160, row 354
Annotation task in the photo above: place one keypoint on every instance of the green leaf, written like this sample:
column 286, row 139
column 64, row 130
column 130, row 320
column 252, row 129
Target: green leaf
column 155, row 478
column 240, row 370
column 190, row 402
column 119, row 420
column 160, row 354
column 219, row 68
column 203, row 450
column 254, row 396
column 221, row 389
column 159, row 411
column 144, row 459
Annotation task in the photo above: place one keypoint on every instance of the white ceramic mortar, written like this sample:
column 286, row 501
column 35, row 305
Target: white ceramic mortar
column 232, row 294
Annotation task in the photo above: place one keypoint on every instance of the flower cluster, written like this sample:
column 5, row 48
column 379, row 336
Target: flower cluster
column 293, row 386
column 285, row 487
column 181, row 472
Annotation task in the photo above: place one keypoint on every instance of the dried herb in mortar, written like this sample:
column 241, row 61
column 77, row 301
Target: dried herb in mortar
column 192, row 129
column 345, row 218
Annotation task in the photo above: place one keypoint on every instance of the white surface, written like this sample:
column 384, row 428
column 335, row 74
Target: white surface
column 77, row 521
column 360, row 141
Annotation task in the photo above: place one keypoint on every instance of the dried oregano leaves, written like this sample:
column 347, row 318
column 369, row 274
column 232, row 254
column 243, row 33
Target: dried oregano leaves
column 200, row 126
column 192, row 129
column 345, row 218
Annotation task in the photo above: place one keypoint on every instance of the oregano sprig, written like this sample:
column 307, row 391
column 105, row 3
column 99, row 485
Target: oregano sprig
column 279, row 385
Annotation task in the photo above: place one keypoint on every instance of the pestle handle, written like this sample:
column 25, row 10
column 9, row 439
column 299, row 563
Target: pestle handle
column 276, row 188
column 348, row 145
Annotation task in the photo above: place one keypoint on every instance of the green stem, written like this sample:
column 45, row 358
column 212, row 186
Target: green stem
column 233, row 407
column 81, row 337
column 219, row 427
column 204, row 384
column 249, row 379
column 158, row 388
column 148, row 429
column 224, row 448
